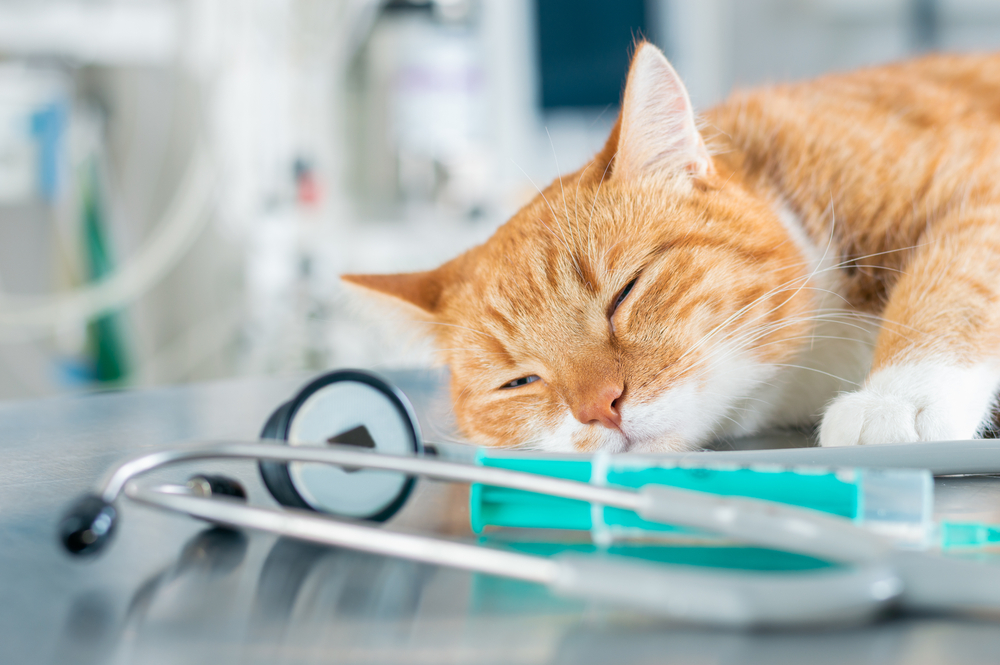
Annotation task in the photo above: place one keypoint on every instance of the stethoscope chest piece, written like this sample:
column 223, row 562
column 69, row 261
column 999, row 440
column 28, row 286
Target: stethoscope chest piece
column 346, row 407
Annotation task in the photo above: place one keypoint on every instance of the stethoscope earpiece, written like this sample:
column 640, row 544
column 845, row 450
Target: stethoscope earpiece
column 344, row 407
column 88, row 525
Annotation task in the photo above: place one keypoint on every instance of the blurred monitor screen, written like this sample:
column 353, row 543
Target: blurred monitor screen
column 584, row 48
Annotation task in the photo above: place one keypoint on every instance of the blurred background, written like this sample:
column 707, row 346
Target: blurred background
column 182, row 181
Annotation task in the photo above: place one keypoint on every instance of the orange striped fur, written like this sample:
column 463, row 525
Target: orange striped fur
column 823, row 251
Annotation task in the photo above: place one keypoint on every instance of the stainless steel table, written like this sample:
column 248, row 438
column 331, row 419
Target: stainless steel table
column 172, row 590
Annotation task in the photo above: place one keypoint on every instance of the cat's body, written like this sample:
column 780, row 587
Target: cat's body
column 894, row 175
column 833, row 253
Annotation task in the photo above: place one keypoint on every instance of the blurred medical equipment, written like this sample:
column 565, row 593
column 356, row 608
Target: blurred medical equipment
column 180, row 226
column 352, row 448
column 424, row 107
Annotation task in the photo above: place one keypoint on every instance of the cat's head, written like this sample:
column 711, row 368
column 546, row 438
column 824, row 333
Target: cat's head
column 632, row 305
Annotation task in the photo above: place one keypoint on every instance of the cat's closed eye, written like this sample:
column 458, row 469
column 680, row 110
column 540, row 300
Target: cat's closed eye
column 517, row 383
column 621, row 297
column 618, row 301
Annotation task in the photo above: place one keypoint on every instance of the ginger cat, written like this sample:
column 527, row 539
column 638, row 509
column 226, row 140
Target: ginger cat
column 825, row 251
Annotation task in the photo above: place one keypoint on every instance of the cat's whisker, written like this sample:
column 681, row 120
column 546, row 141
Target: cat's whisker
column 744, row 398
column 750, row 340
column 722, row 189
column 834, row 316
column 719, row 360
column 597, row 194
column 605, row 255
column 453, row 325
column 848, row 261
column 576, row 212
column 565, row 206
column 795, row 321
column 876, row 319
column 555, row 217
column 729, row 418
column 738, row 344
column 774, row 291
column 877, row 267
column 829, row 244
column 479, row 353
column 771, row 293
column 814, row 369
column 812, row 337
column 832, row 234
column 716, row 361
column 815, row 272
column 708, row 337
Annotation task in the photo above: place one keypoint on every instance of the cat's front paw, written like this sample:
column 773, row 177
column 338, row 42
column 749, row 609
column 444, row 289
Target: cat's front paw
column 911, row 403
column 866, row 417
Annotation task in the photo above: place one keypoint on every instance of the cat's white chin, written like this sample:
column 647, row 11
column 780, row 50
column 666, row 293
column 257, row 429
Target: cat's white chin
column 571, row 436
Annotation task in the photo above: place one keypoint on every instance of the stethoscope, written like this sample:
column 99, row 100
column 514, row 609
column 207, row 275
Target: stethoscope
column 350, row 449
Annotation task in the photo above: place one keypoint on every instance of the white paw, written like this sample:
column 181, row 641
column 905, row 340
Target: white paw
column 866, row 417
column 919, row 402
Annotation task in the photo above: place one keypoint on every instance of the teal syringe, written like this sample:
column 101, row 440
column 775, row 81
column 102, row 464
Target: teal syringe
column 897, row 503
column 959, row 536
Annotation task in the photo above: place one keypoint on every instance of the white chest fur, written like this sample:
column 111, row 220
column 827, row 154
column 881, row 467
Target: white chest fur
column 835, row 357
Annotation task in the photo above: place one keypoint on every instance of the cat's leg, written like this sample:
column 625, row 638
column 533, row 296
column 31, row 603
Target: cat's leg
column 936, row 366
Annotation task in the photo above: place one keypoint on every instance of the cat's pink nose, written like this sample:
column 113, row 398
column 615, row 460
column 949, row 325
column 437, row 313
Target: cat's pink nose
column 600, row 407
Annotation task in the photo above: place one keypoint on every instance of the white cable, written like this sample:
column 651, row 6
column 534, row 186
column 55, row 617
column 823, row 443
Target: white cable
column 173, row 236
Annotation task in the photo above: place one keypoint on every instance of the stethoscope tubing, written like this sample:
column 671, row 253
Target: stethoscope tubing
column 756, row 521
column 876, row 575
column 347, row 456
column 735, row 600
column 306, row 525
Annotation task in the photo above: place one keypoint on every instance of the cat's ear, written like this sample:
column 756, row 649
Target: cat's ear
column 657, row 130
column 419, row 291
